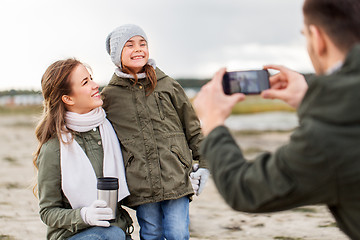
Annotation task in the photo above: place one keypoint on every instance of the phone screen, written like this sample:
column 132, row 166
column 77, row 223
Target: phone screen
column 247, row 82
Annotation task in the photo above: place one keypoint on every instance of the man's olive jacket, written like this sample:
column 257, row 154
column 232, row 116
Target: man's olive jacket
column 320, row 164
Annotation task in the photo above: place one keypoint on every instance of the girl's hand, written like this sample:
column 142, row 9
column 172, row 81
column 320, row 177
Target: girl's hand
column 198, row 178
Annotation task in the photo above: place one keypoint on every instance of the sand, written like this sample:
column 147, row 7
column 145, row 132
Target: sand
column 210, row 217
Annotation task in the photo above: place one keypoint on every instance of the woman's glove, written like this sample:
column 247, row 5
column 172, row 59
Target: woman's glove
column 198, row 178
column 96, row 214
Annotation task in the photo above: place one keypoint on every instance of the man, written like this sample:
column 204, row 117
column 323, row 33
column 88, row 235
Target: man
column 321, row 162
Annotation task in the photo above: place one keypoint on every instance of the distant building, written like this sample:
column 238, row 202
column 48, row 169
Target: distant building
column 21, row 100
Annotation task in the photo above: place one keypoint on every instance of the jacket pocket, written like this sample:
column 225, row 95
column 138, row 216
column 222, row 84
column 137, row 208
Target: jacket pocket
column 174, row 149
column 160, row 106
column 129, row 160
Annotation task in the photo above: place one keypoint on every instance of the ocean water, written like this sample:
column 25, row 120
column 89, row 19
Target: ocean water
column 268, row 121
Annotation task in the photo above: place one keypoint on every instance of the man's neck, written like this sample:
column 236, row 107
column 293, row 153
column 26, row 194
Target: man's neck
column 334, row 61
column 334, row 68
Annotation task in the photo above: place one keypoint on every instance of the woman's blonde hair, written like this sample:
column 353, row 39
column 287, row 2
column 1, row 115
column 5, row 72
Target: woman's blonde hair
column 54, row 84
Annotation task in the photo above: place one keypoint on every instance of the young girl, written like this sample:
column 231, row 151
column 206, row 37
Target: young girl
column 77, row 144
column 160, row 135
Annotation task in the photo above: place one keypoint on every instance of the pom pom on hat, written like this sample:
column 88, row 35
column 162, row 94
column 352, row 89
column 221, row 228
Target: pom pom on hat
column 116, row 40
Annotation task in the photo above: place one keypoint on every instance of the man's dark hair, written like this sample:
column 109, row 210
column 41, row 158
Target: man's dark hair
column 340, row 19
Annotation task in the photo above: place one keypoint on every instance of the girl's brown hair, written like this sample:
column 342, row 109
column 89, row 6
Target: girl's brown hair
column 54, row 84
column 150, row 76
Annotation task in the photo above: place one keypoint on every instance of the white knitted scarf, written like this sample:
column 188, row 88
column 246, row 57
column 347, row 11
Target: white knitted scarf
column 78, row 179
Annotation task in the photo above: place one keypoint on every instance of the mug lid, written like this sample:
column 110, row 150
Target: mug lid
column 108, row 183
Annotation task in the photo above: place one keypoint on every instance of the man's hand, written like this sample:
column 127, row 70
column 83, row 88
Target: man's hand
column 212, row 105
column 287, row 85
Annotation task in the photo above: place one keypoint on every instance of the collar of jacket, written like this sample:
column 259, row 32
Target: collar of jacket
column 116, row 80
column 121, row 74
column 334, row 98
column 352, row 60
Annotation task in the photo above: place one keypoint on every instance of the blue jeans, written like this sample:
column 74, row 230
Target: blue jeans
column 167, row 219
column 100, row 233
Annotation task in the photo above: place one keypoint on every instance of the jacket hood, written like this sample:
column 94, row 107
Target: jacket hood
column 120, row 73
column 120, row 81
column 335, row 98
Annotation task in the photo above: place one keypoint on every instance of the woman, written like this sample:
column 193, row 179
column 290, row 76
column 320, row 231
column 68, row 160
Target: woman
column 77, row 144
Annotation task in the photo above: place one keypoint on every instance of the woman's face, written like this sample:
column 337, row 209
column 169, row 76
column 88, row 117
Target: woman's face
column 135, row 54
column 84, row 95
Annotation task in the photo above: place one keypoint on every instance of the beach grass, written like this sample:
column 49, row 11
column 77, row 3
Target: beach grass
column 6, row 237
column 252, row 104
column 16, row 110
column 256, row 104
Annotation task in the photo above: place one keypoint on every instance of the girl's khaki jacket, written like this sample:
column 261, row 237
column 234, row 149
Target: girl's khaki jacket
column 160, row 136
column 55, row 209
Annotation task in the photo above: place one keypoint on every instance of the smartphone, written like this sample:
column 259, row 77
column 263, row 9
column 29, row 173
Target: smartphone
column 247, row 82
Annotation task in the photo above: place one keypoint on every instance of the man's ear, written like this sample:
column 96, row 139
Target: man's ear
column 318, row 40
column 67, row 100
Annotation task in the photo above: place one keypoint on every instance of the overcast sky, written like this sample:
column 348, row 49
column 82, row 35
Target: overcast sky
column 188, row 38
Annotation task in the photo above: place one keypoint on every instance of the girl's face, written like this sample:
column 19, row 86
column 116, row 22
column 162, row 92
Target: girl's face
column 135, row 54
column 84, row 95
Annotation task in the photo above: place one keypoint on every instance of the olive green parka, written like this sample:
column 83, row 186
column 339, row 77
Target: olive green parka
column 55, row 209
column 160, row 136
column 319, row 165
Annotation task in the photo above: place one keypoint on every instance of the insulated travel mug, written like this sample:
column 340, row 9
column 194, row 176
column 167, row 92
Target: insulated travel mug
column 108, row 188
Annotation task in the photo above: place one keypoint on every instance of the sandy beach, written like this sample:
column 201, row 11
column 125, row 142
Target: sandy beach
column 210, row 217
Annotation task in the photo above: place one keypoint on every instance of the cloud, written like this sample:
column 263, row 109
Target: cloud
column 252, row 56
column 293, row 56
column 186, row 38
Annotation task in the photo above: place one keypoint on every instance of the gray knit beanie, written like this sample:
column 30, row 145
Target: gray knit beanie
column 116, row 40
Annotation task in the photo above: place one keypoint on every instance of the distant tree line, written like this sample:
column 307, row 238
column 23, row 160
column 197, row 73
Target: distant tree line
column 192, row 83
column 13, row 92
